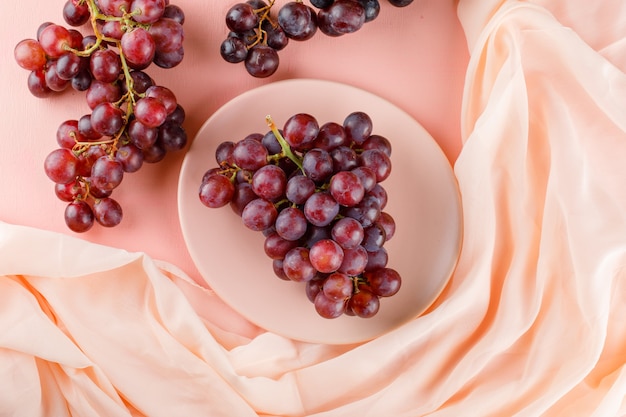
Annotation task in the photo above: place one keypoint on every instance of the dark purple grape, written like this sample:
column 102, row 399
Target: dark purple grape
column 358, row 126
column 269, row 182
column 233, row 50
column 372, row 9
column 79, row 216
column 261, row 61
column 299, row 188
column 400, row 3
column 298, row 20
column 241, row 17
column 317, row 165
column 291, row 224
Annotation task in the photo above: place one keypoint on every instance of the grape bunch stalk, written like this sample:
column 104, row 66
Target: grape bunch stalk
column 256, row 36
column 315, row 193
column 132, row 119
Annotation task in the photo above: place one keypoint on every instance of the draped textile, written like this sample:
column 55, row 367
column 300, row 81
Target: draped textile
column 531, row 323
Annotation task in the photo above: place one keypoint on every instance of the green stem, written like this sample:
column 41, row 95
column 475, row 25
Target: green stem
column 283, row 143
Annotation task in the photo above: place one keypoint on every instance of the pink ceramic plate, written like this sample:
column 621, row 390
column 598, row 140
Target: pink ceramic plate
column 423, row 199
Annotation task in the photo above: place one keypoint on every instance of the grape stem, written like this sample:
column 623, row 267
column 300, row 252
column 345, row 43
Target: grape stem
column 283, row 143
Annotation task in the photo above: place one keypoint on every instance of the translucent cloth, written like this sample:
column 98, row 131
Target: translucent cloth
column 532, row 322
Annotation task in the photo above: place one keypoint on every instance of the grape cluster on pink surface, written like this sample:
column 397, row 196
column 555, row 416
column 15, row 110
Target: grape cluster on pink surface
column 315, row 193
column 256, row 35
column 131, row 119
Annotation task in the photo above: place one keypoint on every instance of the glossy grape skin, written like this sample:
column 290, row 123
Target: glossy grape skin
column 242, row 196
column 107, row 119
column 61, row 165
column 250, row 154
column 354, row 261
column 276, row 247
column 346, row 188
column 130, row 156
column 69, row 65
column 168, row 35
column 291, row 224
column 53, row 81
column 276, row 37
column 327, row 308
column 317, row 165
column 366, row 212
column 374, row 237
column 259, row 214
column 216, row 191
column 262, row 61
column 376, row 260
column 320, row 209
column 241, row 17
column 172, row 137
column 29, row 55
column 367, row 177
column 67, row 134
column 139, row 48
column 387, row 222
column 348, row 232
column 78, row 216
column 377, row 161
column 372, row 9
column 54, row 39
column 298, row 21
column 164, row 95
column 344, row 158
column 105, row 65
column 364, row 304
column 175, row 13
column 141, row 135
column 82, row 80
column 344, row 16
column 299, row 188
column 147, row 11
column 337, row 286
column 106, row 173
column 170, row 59
column 70, row 191
column 233, row 50
column 37, row 84
column 300, row 130
column 269, row 182
column 75, row 14
column 114, row 7
column 330, row 136
column 297, row 265
column 107, row 212
column 150, row 111
column 100, row 92
column 378, row 142
column 326, row 256
column 384, row 282
column 358, row 126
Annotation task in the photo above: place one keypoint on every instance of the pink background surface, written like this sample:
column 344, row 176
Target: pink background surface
column 414, row 57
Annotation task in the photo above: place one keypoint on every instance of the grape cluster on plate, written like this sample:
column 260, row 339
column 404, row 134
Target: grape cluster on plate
column 132, row 119
column 256, row 36
column 315, row 193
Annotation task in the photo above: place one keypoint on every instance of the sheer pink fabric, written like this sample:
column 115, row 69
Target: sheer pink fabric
column 532, row 322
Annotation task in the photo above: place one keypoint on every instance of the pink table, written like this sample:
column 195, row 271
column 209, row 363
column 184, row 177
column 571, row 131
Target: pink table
column 414, row 57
